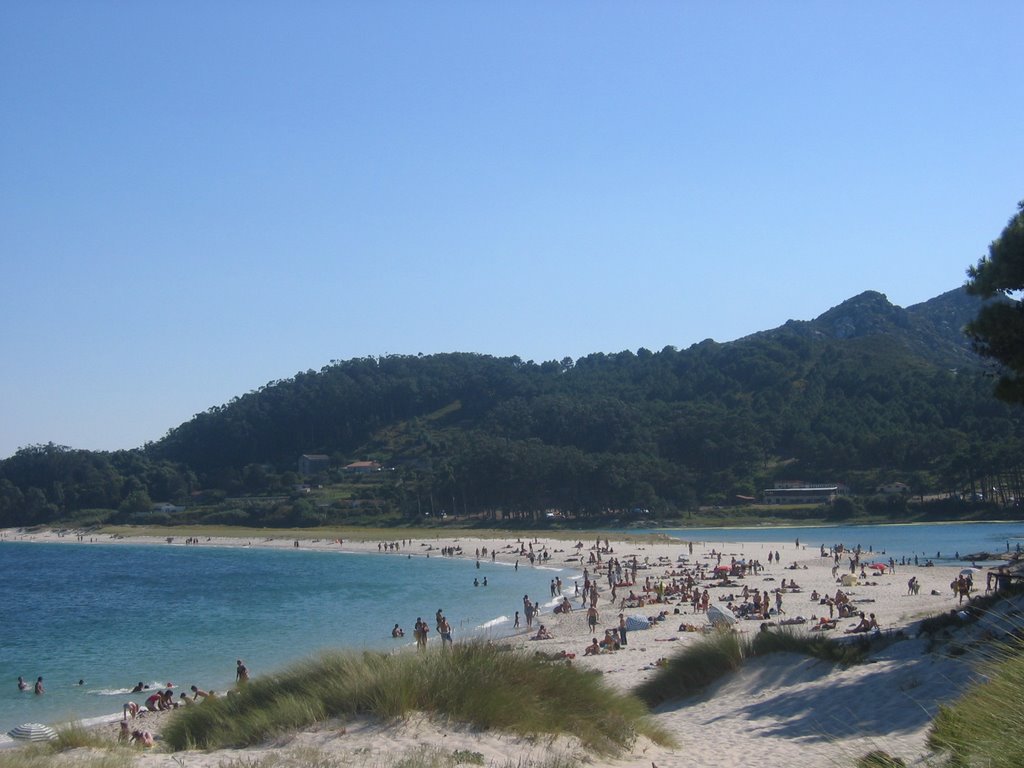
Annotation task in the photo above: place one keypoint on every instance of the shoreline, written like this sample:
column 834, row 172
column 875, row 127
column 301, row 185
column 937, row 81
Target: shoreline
column 885, row 595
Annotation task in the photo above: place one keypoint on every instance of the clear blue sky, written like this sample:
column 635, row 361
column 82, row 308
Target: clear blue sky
column 198, row 198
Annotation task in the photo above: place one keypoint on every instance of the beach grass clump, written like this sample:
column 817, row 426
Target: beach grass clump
column 473, row 683
column 846, row 652
column 723, row 651
column 943, row 621
column 75, row 735
column 880, row 759
column 694, row 668
column 72, row 736
column 420, row 757
column 48, row 755
column 985, row 726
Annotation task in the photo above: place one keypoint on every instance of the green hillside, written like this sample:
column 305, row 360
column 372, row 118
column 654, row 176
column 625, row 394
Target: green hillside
column 866, row 394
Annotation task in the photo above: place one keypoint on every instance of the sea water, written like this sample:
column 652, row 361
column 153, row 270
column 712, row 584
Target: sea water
column 112, row 615
column 942, row 543
column 93, row 620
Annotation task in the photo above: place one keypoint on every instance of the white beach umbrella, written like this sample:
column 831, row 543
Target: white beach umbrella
column 721, row 616
column 970, row 571
column 33, row 732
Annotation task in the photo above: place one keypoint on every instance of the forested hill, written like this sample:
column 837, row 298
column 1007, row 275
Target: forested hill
column 932, row 330
column 866, row 393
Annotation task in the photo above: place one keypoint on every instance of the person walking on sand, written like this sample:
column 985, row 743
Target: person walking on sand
column 592, row 617
column 622, row 630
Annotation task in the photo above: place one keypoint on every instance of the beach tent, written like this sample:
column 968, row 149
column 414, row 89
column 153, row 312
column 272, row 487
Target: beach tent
column 721, row 616
column 33, row 732
column 849, row 580
column 634, row 623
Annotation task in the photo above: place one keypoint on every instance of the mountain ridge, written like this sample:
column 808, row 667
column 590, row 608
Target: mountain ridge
column 866, row 393
column 932, row 328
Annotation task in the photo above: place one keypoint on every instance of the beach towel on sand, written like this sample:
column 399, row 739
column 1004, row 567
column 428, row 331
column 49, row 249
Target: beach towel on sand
column 634, row 623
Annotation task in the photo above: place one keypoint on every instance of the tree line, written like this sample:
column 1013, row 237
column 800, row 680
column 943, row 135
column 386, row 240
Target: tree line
column 606, row 434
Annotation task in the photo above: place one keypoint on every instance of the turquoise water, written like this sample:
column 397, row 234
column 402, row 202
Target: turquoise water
column 940, row 542
column 116, row 614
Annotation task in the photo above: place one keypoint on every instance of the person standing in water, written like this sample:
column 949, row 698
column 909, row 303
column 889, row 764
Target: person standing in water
column 39, row 686
column 241, row 673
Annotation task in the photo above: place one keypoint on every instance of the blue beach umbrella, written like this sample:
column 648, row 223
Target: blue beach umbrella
column 33, row 732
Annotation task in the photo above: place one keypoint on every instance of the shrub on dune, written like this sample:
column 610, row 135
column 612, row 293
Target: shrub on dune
column 985, row 725
column 715, row 655
column 694, row 668
column 472, row 683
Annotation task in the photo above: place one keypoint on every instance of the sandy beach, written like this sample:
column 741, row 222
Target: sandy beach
column 782, row 709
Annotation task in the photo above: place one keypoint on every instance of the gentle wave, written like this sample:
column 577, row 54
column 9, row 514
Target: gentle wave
column 494, row 623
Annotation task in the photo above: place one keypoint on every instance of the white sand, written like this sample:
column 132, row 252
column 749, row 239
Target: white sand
column 778, row 710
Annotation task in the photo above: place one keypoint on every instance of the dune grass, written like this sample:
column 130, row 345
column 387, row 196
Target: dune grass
column 49, row 755
column 71, row 736
column 848, row 651
column 421, row 757
column 715, row 655
column 985, row 726
column 694, row 668
column 473, row 683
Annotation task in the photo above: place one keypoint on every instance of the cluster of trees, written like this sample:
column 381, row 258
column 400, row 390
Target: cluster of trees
column 867, row 393
column 998, row 330
column 44, row 483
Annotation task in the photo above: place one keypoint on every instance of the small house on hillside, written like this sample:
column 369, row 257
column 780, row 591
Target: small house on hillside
column 363, row 467
column 168, row 509
column 803, row 493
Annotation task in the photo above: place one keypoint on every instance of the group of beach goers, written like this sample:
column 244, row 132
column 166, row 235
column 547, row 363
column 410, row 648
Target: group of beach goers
column 37, row 689
column 163, row 700
column 623, row 607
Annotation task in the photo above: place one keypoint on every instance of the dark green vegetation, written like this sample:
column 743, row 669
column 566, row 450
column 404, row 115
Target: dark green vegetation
column 721, row 652
column 866, row 394
column 880, row 759
column 984, row 727
column 998, row 330
column 472, row 683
